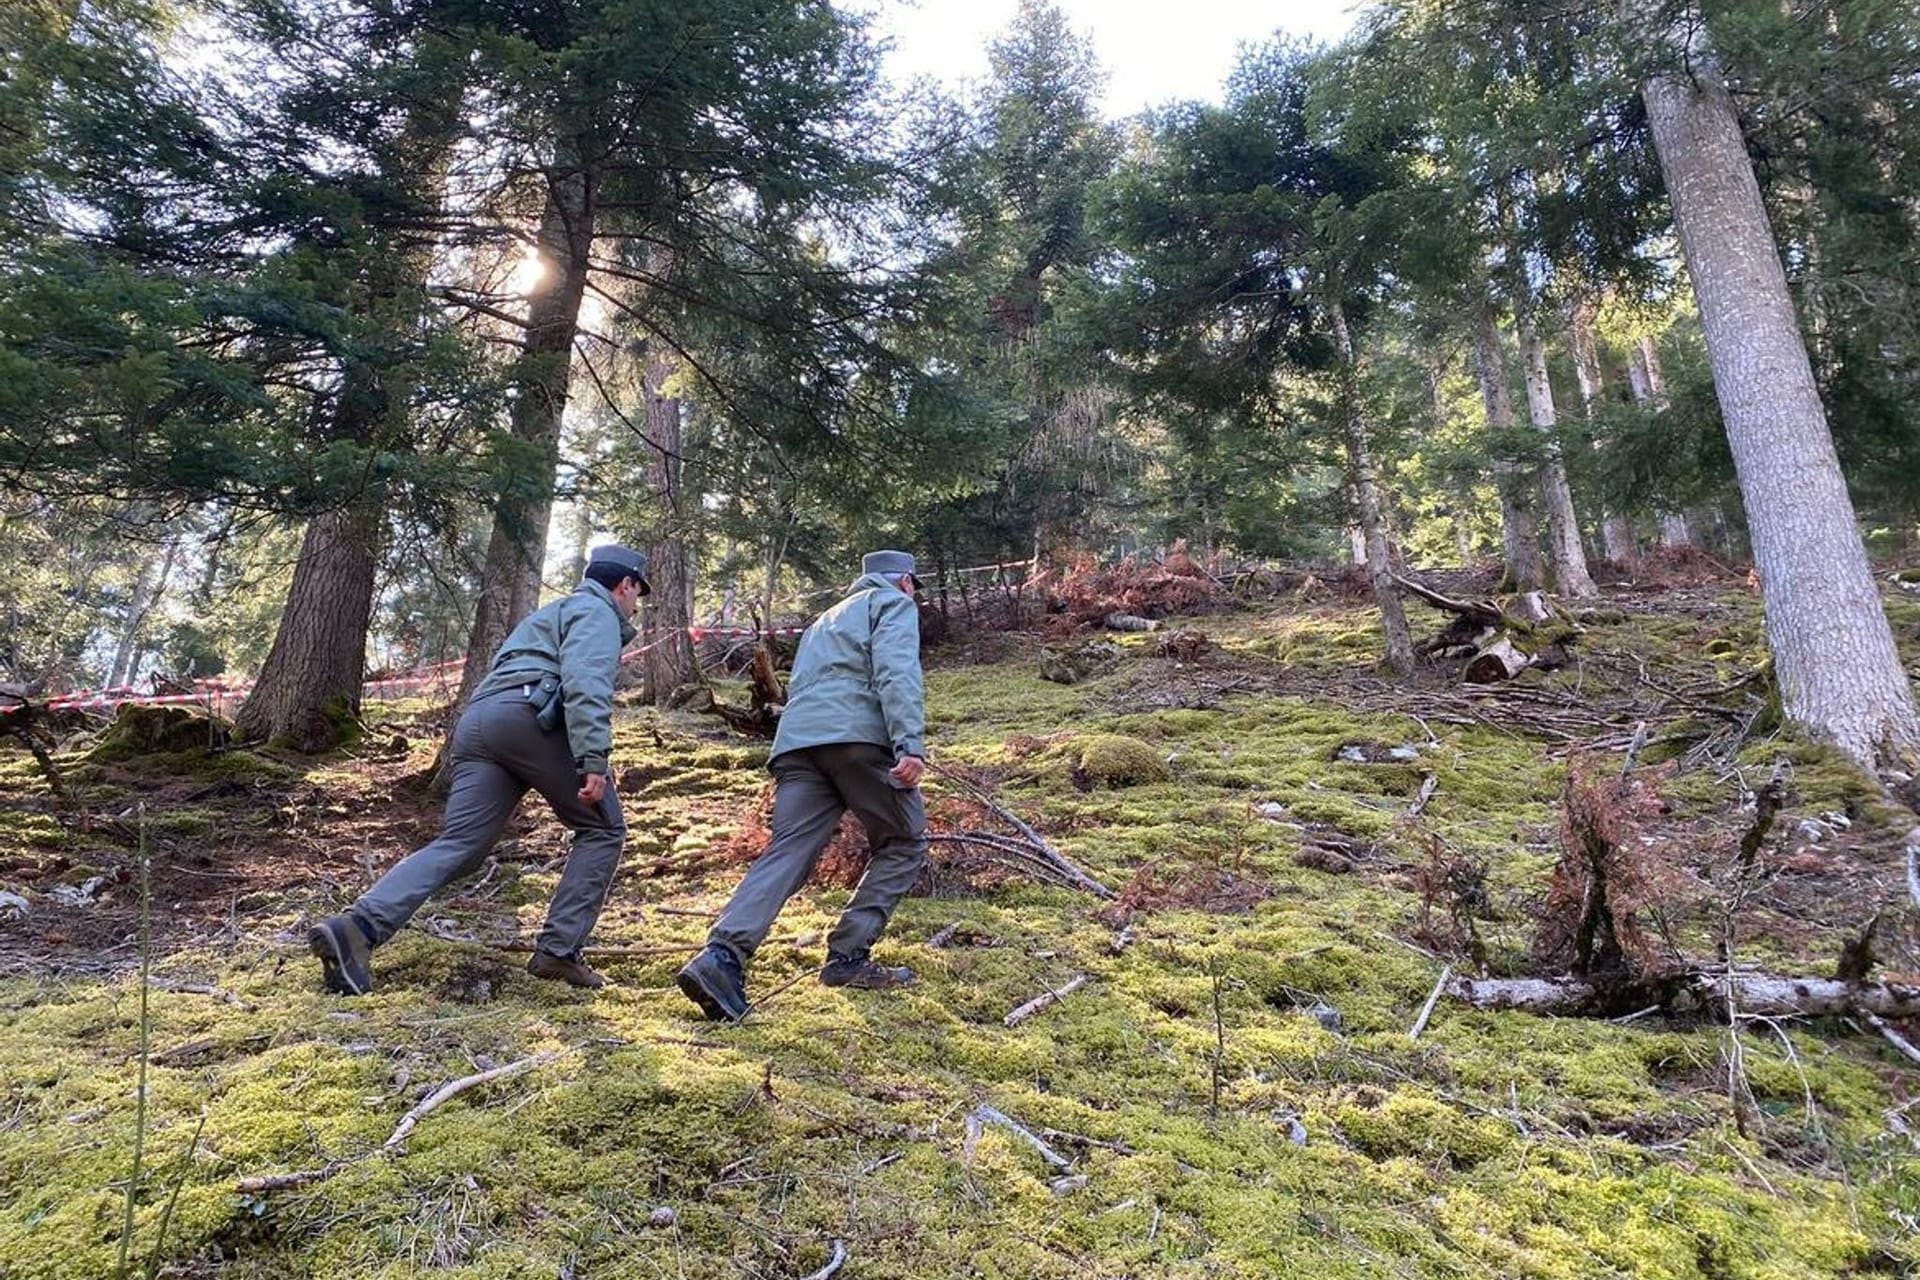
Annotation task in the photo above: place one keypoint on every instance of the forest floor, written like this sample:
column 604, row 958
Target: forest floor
column 1233, row 1090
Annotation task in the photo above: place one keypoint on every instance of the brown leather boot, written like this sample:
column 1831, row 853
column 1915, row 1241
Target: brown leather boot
column 571, row 970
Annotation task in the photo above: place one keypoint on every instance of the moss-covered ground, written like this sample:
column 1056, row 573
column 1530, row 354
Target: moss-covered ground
column 1236, row 1090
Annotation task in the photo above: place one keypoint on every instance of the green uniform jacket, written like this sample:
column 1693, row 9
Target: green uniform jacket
column 577, row 638
column 857, row 675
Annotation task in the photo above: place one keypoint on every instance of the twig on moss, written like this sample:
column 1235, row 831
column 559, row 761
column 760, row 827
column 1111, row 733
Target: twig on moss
column 984, row 1114
column 395, row 1143
column 1428, row 785
column 1219, row 1047
column 834, row 1263
column 1045, row 998
column 1433, row 998
column 454, row 1088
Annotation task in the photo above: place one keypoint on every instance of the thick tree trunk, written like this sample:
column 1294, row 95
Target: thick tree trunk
column 1519, row 519
column 1366, row 494
column 1616, row 531
column 1840, row 675
column 516, row 550
column 1563, row 525
column 308, row 693
column 670, row 661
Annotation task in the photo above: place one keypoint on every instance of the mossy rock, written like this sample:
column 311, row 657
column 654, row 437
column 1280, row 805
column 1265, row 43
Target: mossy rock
column 1070, row 666
column 1120, row 761
column 144, row 731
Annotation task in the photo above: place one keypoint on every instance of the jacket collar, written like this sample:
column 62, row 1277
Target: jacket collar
column 589, row 587
column 873, row 582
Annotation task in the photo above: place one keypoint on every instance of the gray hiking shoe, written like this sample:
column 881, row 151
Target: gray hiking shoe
column 345, row 955
column 862, row 972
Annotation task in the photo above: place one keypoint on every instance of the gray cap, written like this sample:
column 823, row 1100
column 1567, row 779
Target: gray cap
column 625, row 559
column 890, row 564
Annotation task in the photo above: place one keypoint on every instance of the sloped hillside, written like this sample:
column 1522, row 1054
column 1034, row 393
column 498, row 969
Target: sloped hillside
column 1228, row 1084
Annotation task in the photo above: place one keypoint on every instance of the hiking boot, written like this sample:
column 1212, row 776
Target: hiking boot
column 345, row 955
column 861, row 971
column 713, row 981
column 571, row 970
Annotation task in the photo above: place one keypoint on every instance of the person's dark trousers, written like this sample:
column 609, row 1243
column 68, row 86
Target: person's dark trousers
column 812, row 787
column 498, row 754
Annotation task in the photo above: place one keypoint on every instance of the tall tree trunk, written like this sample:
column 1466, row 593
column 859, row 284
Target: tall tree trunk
column 516, row 549
column 308, row 694
column 1563, row 525
column 670, row 661
column 1366, row 494
column 1840, row 675
column 1616, row 531
column 1519, row 520
column 1648, row 382
column 147, row 592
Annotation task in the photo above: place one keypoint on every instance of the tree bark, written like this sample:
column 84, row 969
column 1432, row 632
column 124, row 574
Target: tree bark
column 1366, row 493
column 152, row 585
column 1616, row 531
column 308, row 693
column 1767, row 995
column 1649, row 387
column 670, row 661
column 510, row 582
column 1519, row 520
column 1563, row 525
column 1840, row 675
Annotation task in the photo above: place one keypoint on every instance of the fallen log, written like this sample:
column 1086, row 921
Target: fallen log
column 1497, row 660
column 1771, row 995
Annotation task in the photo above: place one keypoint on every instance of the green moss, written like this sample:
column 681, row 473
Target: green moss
column 1120, row 761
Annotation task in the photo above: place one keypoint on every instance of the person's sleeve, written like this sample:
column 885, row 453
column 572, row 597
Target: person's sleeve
column 589, row 658
column 896, row 674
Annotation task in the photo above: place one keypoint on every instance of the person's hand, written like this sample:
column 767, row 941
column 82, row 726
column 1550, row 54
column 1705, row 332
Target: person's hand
column 907, row 772
column 593, row 788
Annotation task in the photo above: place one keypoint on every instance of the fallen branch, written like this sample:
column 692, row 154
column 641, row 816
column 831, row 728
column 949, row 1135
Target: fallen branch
column 1039, row 843
column 454, row 1088
column 636, row 953
column 1892, row 1037
column 394, row 1145
column 1751, row 993
column 984, row 1114
column 1428, row 785
column 834, row 1263
column 1433, row 998
column 1044, row 999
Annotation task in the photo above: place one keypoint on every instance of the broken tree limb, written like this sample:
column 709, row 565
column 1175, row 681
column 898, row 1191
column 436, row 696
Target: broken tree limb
column 1497, row 660
column 834, row 1263
column 1428, row 785
column 1480, row 612
column 1045, row 998
column 1433, row 998
column 1751, row 993
column 1892, row 1037
column 395, row 1143
column 1035, row 844
column 984, row 1114
column 454, row 1088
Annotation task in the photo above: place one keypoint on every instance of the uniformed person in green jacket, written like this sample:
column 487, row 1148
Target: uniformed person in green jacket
column 853, row 736
column 541, row 720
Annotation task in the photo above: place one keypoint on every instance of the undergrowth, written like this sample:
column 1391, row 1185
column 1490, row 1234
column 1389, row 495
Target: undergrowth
column 654, row 1144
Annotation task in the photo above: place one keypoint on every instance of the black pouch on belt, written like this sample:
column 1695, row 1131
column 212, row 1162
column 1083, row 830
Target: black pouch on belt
column 548, row 705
